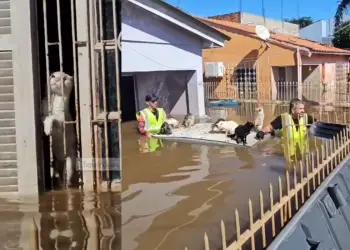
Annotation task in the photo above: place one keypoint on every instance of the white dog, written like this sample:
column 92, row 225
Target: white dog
column 259, row 118
column 224, row 126
column 53, row 125
column 173, row 123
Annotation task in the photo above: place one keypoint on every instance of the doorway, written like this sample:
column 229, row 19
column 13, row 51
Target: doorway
column 128, row 98
column 53, row 65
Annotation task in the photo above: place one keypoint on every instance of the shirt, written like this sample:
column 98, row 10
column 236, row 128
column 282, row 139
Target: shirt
column 276, row 124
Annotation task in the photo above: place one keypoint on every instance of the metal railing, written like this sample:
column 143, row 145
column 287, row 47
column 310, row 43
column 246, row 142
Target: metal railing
column 300, row 181
column 320, row 93
column 94, row 44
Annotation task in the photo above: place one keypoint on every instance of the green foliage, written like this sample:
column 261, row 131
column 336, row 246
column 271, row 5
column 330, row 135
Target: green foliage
column 302, row 21
column 342, row 36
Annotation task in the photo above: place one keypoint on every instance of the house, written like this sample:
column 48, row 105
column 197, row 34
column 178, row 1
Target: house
column 320, row 31
column 162, row 54
column 283, row 58
column 272, row 24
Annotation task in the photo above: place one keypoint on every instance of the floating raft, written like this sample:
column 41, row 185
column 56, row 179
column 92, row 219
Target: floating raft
column 201, row 133
column 230, row 103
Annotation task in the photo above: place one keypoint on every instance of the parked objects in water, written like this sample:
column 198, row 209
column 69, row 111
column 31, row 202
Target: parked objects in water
column 241, row 133
column 201, row 133
column 188, row 120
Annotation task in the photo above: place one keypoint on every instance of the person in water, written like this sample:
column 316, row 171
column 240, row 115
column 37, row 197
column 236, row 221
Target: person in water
column 151, row 118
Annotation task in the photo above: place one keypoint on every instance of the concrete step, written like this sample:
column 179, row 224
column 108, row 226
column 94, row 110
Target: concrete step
column 8, row 164
column 8, row 188
column 7, row 114
column 8, row 172
column 7, row 123
column 4, row 181
column 10, row 147
column 6, row 98
column 8, row 156
column 8, row 131
column 7, row 105
column 6, row 139
column 6, row 89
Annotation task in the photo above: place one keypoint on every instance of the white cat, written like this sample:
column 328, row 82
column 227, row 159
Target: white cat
column 225, row 126
column 259, row 118
column 53, row 125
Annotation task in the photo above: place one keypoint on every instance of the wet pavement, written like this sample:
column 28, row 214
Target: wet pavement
column 174, row 194
column 61, row 220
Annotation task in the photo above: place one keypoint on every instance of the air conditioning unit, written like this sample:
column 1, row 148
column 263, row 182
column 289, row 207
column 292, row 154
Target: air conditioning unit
column 214, row 69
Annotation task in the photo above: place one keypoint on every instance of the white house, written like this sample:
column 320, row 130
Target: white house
column 320, row 31
column 162, row 53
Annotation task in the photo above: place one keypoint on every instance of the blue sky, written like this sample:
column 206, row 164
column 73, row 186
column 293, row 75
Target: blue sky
column 321, row 9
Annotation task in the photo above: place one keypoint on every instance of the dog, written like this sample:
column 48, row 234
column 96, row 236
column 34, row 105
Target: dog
column 241, row 133
column 165, row 129
column 259, row 118
column 188, row 120
column 173, row 123
column 227, row 126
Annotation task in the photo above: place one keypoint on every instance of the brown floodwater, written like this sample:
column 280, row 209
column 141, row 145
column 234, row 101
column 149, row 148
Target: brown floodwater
column 61, row 220
column 175, row 192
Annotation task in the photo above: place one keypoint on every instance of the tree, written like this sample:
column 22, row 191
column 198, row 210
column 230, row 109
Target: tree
column 342, row 8
column 302, row 21
column 342, row 35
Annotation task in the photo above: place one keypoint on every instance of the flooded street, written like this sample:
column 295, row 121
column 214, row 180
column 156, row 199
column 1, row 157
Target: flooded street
column 178, row 191
column 64, row 220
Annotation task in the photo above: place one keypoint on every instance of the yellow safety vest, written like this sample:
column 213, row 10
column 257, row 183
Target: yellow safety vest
column 150, row 145
column 152, row 125
column 295, row 137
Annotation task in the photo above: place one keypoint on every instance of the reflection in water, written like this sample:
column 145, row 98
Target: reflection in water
column 64, row 220
column 174, row 194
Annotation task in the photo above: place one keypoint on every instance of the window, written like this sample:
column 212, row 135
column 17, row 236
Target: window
column 245, row 79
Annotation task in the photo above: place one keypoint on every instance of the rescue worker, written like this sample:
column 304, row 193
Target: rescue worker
column 293, row 126
column 151, row 118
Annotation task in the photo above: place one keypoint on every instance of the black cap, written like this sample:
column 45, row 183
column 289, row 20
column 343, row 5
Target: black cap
column 152, row 98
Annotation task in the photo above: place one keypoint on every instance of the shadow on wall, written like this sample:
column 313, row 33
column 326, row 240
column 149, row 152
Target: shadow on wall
column 170, row 86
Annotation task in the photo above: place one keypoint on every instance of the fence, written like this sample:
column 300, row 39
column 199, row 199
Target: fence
column 320, row 93
column 306, row 175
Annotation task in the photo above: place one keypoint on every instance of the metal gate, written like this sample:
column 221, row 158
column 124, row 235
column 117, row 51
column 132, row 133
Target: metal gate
column 95, row 55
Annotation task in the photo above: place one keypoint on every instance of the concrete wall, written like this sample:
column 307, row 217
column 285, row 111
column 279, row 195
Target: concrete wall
column 170, row 86
column 151, row 43
column 311, row 73
column 315, row 31
column 276, row 25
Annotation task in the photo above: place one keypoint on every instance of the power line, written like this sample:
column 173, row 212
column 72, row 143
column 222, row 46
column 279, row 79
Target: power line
column 282, row 18
column 263, row 11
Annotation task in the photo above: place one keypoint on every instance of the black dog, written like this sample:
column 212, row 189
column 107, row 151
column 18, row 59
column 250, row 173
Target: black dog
column 165, row 129
column 241, row 133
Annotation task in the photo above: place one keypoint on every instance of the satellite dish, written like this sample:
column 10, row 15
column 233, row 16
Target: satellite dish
column 262, row 32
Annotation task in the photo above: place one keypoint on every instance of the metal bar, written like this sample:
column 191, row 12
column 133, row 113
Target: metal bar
column 104, row 92
column 118, row 45
column 62, row 83
column 75, row 76
column 94, row 136
column 48, row 80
